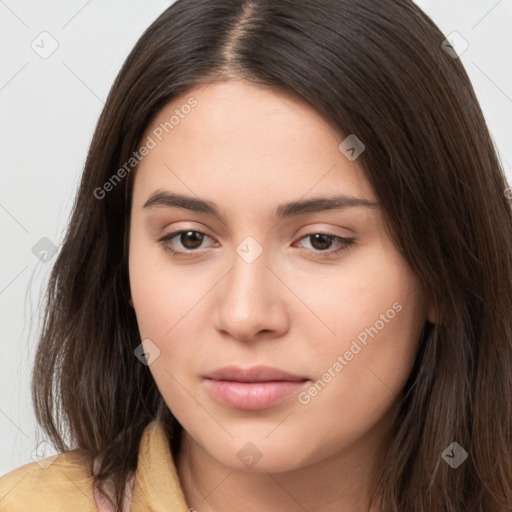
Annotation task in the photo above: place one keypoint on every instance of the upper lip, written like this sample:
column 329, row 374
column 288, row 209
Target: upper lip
column 253, row 374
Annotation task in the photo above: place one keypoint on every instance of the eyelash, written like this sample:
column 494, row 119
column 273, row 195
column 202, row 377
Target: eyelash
column 346, row 243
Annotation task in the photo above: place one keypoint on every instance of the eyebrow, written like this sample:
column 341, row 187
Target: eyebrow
column 316, row 204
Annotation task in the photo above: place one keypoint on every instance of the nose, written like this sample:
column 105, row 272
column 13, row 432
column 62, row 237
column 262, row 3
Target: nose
column 251, row 301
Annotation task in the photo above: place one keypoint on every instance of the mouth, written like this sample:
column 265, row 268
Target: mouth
column 253, row 388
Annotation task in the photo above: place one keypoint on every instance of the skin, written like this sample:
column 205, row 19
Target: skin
column 249, row 149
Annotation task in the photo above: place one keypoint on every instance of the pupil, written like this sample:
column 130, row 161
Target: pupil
column 325, row 238
column 190, row 235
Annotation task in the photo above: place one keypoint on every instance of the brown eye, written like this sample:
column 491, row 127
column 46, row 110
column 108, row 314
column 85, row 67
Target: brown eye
column 191, row 239
column 321, row 241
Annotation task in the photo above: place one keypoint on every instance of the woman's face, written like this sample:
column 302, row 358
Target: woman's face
column 267, row 282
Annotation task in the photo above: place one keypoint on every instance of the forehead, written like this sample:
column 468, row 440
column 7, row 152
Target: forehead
column 250, row 139
column 245, row 112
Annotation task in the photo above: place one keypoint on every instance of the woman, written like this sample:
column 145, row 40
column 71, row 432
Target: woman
column 287, row 279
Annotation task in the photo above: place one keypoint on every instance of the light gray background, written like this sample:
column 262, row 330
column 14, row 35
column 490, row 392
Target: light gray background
column 49, row 108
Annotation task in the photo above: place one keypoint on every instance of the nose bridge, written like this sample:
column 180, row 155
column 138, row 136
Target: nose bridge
column 250, row 300
column 249, row 278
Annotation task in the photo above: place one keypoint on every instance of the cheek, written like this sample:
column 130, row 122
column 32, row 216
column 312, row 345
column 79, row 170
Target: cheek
column 153, row 285
column 374, row 288
column 162, row 318
column 166, row 299
column 377, row 316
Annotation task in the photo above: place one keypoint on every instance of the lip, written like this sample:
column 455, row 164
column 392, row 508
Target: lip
column 253, row 388
column 254, row 374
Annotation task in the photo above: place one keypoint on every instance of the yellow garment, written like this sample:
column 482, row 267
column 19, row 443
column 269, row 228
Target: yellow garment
column 66, row 485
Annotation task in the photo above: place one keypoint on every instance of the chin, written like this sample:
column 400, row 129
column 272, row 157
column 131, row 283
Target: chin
column 259, row 457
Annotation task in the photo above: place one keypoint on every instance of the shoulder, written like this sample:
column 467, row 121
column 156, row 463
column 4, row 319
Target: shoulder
column 55, row 484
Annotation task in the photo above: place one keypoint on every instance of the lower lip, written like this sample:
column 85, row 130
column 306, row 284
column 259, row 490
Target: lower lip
column 252, row 395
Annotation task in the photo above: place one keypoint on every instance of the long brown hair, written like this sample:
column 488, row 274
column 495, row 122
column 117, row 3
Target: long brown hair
column 371, row 68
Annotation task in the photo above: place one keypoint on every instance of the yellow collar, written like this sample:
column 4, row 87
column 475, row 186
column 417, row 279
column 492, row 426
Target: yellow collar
column 157, row 486
column 64, row 482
